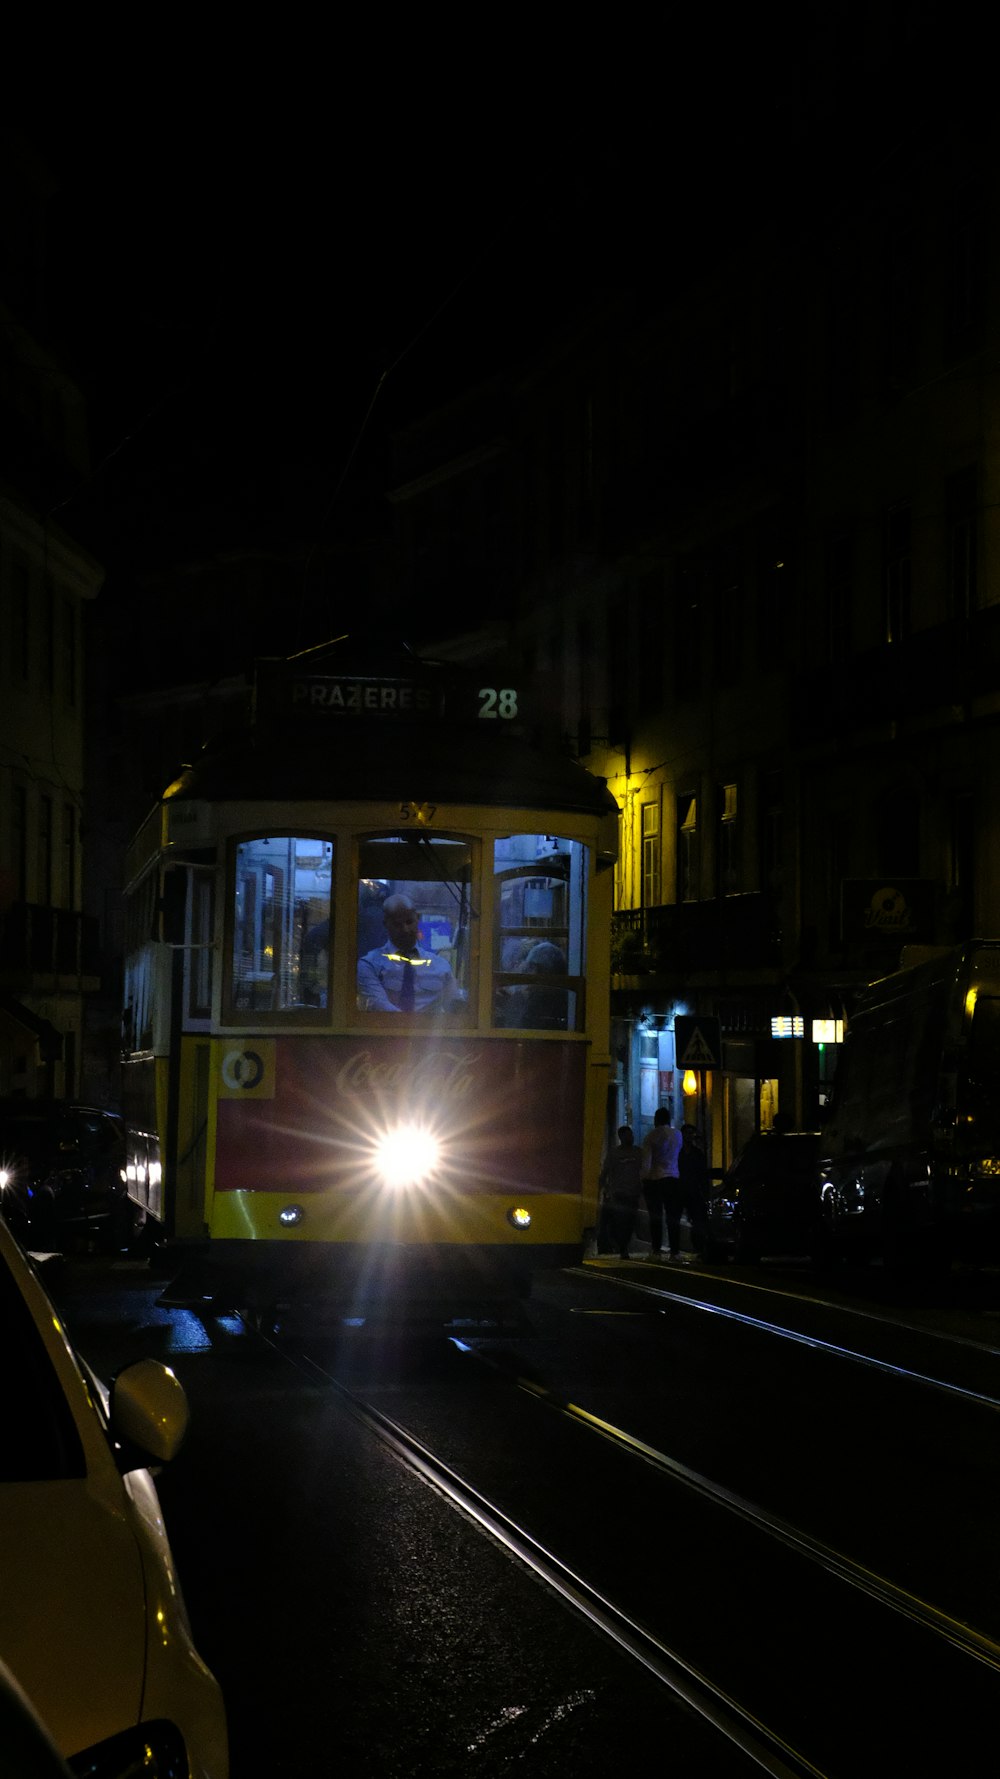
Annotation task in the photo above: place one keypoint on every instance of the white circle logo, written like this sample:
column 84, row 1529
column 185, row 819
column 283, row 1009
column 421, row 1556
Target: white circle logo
column 242, row 1069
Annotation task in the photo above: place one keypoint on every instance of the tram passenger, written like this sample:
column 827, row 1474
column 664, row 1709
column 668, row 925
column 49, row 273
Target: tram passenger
column 400, row 976
column 538, row 1006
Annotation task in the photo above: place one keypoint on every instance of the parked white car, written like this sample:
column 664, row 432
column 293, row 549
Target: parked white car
column 93, row 1627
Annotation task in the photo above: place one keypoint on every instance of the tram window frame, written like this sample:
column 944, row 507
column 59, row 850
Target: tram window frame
column 299, row 1013
column 529, row 999
column 463, row 1012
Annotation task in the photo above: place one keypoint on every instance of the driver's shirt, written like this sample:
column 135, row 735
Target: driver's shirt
column 382, row 981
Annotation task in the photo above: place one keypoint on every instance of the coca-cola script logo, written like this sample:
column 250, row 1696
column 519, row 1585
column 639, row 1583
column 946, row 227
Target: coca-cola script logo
column 448, row 1074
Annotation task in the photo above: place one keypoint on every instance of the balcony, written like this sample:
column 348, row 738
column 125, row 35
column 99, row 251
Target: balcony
column 47, row 948
column 680, row 939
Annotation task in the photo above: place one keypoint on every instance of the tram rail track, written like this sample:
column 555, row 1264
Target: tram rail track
column 837, row 1350
column 764, row 1743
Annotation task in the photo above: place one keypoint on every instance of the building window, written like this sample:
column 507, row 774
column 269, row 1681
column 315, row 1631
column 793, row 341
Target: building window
column 20, row 621
column 19, row 838
column 48, row 611
column 961, row 503
column 651, row 896
column 727, row 841
column 688, row 855
column 43, row 888
column 69, row 650
column 69, row 856
column 897, row 571
column 962, row 863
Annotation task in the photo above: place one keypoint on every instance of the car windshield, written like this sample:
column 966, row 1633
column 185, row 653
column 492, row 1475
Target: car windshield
column 40, row 1442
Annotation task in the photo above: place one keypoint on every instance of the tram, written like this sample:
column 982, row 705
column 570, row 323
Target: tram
column 366, row 1055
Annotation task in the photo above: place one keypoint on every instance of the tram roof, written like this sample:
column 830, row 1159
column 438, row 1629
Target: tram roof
column 352, row 759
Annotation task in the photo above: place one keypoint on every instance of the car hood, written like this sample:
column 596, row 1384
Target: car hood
column 72, row 1606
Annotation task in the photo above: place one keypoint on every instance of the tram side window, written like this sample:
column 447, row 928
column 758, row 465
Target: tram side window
column 282, row 924
column 140, row 960
column 414, row 925
column 540, row 932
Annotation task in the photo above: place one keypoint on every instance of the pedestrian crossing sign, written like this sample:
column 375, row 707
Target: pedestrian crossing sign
column 697, row 1042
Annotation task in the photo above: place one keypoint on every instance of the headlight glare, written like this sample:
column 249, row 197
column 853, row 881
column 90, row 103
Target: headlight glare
column 407, row 1156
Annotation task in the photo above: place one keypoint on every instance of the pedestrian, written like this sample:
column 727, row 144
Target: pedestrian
column 661, row 1185
column 621, row 1186
column 692, row 1166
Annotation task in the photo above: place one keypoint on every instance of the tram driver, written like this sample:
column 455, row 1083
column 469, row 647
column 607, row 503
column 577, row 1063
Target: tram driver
column 401, row 976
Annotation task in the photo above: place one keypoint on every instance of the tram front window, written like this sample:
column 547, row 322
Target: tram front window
column 282, row 924
column 414, row 922
column 539, row 932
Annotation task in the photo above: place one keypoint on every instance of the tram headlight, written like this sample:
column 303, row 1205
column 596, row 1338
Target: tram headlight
column 519, row 1217
column 4, row 1178
column 407, row 1156
column 289, row 1215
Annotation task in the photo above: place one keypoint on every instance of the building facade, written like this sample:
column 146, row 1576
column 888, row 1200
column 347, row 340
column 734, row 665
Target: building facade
column 745, row 540
column 49, row 948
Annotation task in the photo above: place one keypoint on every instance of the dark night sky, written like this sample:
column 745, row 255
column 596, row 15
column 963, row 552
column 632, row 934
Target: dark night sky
column 231, row 277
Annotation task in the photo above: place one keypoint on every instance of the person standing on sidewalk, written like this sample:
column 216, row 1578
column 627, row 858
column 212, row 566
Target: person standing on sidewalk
column 661, row 1185
column 692, row 1168
column 621, row 1183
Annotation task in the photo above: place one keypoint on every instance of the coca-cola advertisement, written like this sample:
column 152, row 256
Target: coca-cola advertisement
column 304, row 1114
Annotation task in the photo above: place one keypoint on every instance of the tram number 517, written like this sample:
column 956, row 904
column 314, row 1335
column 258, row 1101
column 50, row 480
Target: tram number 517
column 502, row 703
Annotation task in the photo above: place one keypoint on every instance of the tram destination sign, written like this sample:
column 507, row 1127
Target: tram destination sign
column 328, row 695
column 386, row 697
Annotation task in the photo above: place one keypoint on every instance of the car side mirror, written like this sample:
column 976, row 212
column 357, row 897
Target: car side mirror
column 148, row 1414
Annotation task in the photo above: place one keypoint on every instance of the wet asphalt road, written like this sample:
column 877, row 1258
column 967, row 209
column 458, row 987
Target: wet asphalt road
column 359, row 1625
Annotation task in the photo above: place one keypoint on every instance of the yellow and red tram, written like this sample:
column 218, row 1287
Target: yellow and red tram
column 366, row 997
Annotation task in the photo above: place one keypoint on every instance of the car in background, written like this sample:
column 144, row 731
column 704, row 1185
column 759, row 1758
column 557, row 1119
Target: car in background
column 62, row 1174
column 768, row 1200
column 93, row 1628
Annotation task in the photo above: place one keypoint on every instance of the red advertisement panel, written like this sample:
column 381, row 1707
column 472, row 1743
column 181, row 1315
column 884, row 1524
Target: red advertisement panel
column 507, row 1115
